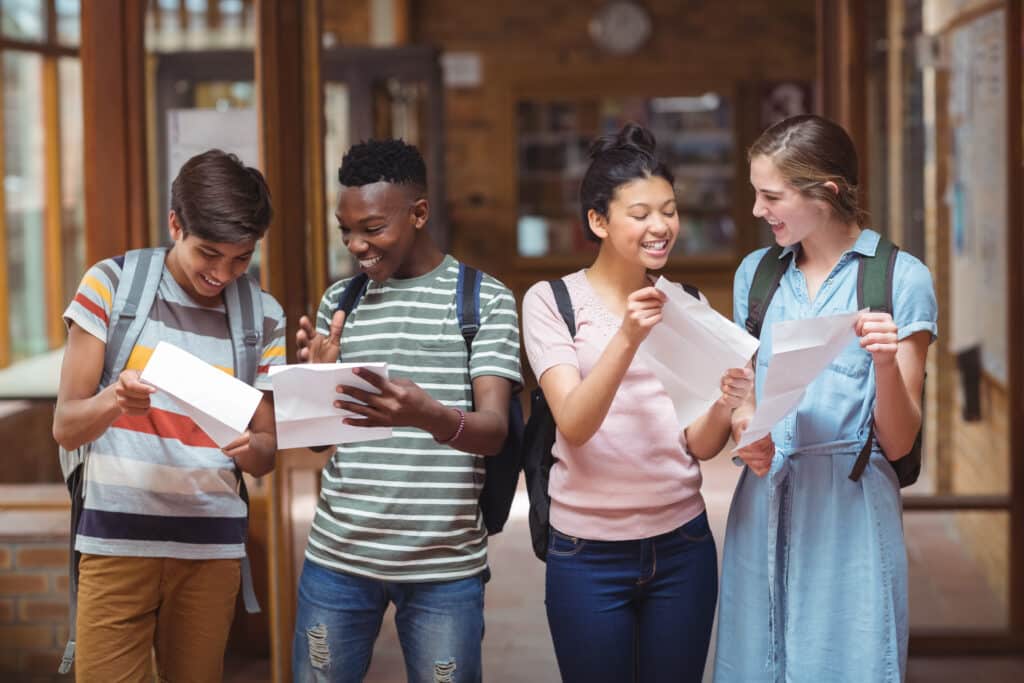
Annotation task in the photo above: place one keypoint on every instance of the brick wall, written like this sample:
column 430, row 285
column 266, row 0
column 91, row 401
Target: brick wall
column 33, row 593
column 706, row 41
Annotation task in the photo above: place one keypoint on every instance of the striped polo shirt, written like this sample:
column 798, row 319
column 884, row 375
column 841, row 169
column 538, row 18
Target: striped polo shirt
column 406, row 508
column 156, row 485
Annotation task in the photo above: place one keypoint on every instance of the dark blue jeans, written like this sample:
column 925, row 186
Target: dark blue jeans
column 641, row 610
column 440, row 626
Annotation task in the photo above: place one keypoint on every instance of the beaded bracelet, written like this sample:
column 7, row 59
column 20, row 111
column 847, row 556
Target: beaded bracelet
column 458, row 431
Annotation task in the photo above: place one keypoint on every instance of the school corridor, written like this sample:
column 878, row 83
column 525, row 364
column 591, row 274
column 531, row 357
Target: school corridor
column 102, row 101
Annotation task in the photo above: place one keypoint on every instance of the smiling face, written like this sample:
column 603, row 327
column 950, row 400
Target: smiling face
column 204, row 268
column 642, row 223
column 791, row 215
column 380, row 224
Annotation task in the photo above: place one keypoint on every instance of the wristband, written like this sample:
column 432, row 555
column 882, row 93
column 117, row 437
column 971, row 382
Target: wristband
column 458, row 430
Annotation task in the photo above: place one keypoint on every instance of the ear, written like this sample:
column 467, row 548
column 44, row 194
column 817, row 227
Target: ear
column 174, row 225
column 598, row 223
column 420, row 213
column 831, row 187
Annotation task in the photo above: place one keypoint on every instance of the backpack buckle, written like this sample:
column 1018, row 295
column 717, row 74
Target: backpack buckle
column 251, row 338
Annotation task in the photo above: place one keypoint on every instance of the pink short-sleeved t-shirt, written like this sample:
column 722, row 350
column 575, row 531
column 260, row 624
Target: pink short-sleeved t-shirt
column 634, row 478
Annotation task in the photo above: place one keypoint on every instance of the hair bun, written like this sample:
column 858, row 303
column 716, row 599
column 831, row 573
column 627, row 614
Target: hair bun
column 632, row 137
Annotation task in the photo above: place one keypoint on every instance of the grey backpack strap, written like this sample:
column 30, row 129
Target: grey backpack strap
column 136, row 291
column 243, row 300
column 133, row 299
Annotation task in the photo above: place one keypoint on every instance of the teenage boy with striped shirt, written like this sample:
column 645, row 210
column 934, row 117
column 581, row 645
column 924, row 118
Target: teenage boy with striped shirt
column 163, row 528
column 398, row 520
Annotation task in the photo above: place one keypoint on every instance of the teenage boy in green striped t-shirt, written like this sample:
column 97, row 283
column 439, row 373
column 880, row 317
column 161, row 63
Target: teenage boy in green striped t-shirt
column 398, row 520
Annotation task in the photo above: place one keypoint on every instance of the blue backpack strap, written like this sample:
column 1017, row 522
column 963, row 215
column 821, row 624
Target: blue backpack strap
column 467, row 302
column 243, row 300
column 133, row 300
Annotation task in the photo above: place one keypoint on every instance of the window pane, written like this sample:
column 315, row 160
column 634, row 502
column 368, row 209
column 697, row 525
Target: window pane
column 24, row 192
column 68, row 21
column 23, row 19
column 71, row 170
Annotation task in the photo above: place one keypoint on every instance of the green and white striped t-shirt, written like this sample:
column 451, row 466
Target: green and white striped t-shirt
column 406, row 508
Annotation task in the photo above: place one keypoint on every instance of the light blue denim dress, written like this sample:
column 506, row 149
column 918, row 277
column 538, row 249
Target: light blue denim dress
column 814, row 576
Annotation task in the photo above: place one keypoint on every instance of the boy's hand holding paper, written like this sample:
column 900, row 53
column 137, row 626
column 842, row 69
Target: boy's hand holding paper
column 304, row 397
column 221, row 405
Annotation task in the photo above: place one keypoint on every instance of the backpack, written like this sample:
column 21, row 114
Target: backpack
column 874, row 291
column 501, row 470
column 141, row 271
column 539, row 437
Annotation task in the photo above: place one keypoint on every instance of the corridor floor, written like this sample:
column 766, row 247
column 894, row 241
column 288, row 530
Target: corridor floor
column 517, row 647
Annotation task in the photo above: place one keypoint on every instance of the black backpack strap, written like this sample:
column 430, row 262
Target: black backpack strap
column 564, row 303
column 467, row 303
column 874, row 291
column 352, row 293
column 875, row 278
column 766, row 280
column 351, row 296
column 691, row 290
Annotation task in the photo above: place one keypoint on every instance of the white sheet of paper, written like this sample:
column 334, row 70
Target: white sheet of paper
column 221, row 405
column 690, row 349
column 802, row 349
column 304, row 397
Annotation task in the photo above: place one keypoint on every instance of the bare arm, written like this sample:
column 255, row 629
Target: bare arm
column 758, row 455
column 580, row 405
column 82, row 414
column 708, row 434
column 403, row 403
column 254, row 450
column 899, row 379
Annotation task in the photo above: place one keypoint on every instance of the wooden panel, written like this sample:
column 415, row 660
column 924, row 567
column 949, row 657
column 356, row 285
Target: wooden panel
column 316, row 208
column 52, row 206
column 113, row 127
column 294, row 488
column 279, row 78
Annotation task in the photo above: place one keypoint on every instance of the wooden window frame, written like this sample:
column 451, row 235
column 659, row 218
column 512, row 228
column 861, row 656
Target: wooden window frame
column 51, row 51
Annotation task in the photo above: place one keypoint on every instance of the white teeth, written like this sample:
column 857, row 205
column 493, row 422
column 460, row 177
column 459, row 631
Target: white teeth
column 655, row 246
column 210, row 281
column 370, row 262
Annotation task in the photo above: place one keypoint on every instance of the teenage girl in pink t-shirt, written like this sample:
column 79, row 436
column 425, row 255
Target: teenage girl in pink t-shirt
column 632, row 573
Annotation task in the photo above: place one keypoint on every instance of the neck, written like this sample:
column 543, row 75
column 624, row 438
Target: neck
column 823, row 247
column 424, row 256
column 614, row 275
column 175, row 269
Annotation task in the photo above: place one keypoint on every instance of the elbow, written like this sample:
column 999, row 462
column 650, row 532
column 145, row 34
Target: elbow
column 495, row 445
column 61, row 436
column 575, row 439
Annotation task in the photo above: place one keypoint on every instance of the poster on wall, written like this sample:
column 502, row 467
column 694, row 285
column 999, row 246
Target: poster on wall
column 976, row 193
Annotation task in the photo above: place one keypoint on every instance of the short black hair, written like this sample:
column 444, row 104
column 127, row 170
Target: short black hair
column 617, row 159
column 388, row 160
column 218, row 198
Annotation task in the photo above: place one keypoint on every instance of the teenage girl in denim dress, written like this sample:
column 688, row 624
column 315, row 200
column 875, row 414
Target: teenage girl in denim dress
column 814, row 579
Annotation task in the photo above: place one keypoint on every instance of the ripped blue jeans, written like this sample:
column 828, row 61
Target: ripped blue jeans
column 440, row 626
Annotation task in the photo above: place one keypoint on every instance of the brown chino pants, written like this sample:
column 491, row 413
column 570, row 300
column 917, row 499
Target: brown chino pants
column 129, row 606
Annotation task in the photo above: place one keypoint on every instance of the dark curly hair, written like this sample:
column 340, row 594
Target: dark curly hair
column 218, row 198
column 390, row 161
column 615, row 160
